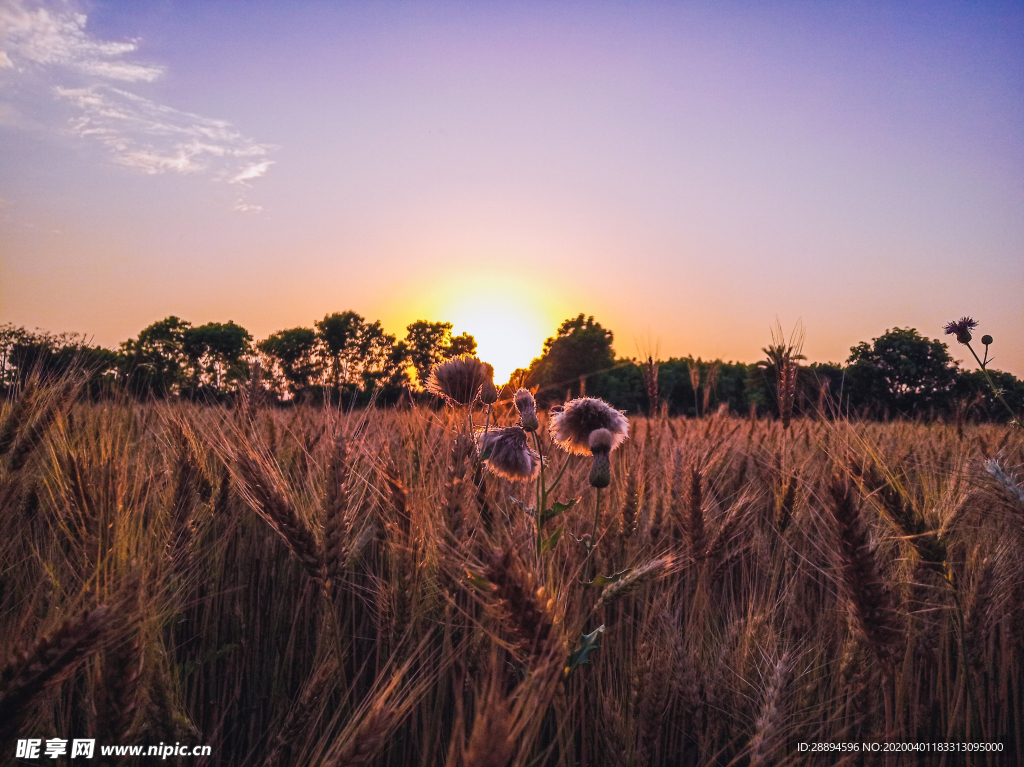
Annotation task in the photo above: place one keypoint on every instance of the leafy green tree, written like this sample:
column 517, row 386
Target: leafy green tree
column 581, row 348
column 427, row 344
column 394, row 376
column 340, row 335
column 10, row 337
column 461, row 344
column 24, row 354
column 901, row 372
column 379, row 359
column 973, row 388
column 294, row 353
column 216, row 355
column 155, row 363
column 359, row 354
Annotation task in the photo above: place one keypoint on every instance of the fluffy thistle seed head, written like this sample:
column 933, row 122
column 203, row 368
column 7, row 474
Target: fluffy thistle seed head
column 459, row 379
column 572, row 427
column 527, row 408
column 961, row 329
column 508, row 454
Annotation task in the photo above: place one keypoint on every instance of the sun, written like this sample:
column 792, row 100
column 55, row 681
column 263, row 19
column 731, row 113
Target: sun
column 509, row 329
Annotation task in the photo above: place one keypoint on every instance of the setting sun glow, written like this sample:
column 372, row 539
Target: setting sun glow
column 509, row 329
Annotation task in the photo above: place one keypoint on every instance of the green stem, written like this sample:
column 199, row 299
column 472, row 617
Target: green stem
column 542, row 496
column 593, row 534
column 558, row 478
column 992, row 386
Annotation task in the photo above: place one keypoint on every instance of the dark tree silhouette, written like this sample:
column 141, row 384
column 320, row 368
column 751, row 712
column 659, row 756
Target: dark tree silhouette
column 294, row 352
column 216, row 355
column 428, row 343
column 339, row 333
column 461, row 344
column 901, row 372
column 155, row 363
column 581, row 348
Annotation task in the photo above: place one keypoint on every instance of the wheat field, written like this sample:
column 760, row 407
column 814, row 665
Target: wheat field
column 309, row 586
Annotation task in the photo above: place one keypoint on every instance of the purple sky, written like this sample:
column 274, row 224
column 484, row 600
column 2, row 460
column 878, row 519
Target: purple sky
column 687, row 173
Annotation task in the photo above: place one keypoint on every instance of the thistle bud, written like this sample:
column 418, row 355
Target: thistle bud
column 601, row 441
column 600, row 471
column 488, row 394
column 527, row 408
column 986, row 339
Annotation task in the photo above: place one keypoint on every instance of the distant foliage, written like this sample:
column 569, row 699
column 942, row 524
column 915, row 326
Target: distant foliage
column 582, row 348
column 345, row 359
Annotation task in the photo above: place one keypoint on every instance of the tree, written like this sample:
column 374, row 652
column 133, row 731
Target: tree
column 902, row 372
column 294, row 352
column 462, row 344
column 25, row 354
column 581, row 347
column 340, row 333
column 428, row 343
column 155, row 362
column 973, row 388
column 10, row 337
column 215, row 352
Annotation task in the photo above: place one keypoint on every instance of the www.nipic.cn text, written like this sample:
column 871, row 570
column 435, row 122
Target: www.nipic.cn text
column 85, row 748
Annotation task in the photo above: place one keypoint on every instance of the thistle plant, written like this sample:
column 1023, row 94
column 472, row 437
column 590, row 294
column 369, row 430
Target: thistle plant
column 591, row 425
column 526, row 406
column 507, row 454
column 962, row 330
column 461, row 381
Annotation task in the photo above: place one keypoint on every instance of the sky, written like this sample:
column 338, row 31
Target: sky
column 687, row 173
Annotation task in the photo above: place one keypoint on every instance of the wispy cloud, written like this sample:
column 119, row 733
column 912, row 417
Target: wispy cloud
column 93, row 75
column 155, row 138
column 56, row 35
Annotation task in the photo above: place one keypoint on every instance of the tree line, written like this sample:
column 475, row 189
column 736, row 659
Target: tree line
column 341, row 359
column 900, row 374
column 345, row 359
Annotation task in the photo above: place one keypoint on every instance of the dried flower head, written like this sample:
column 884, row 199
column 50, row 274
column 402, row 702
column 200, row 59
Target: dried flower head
column 527, row 408
column 459, row 379
column 601, row 441
column 962, row 329
column 508, row 455
column 571, row 428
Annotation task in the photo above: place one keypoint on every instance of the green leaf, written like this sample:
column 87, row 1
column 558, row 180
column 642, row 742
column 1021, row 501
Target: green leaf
column 479, row 581
column 551, row 541
column 556, row 509
column 189, row 666
column 588, row 643
column 522, row 505
column 603, row 580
